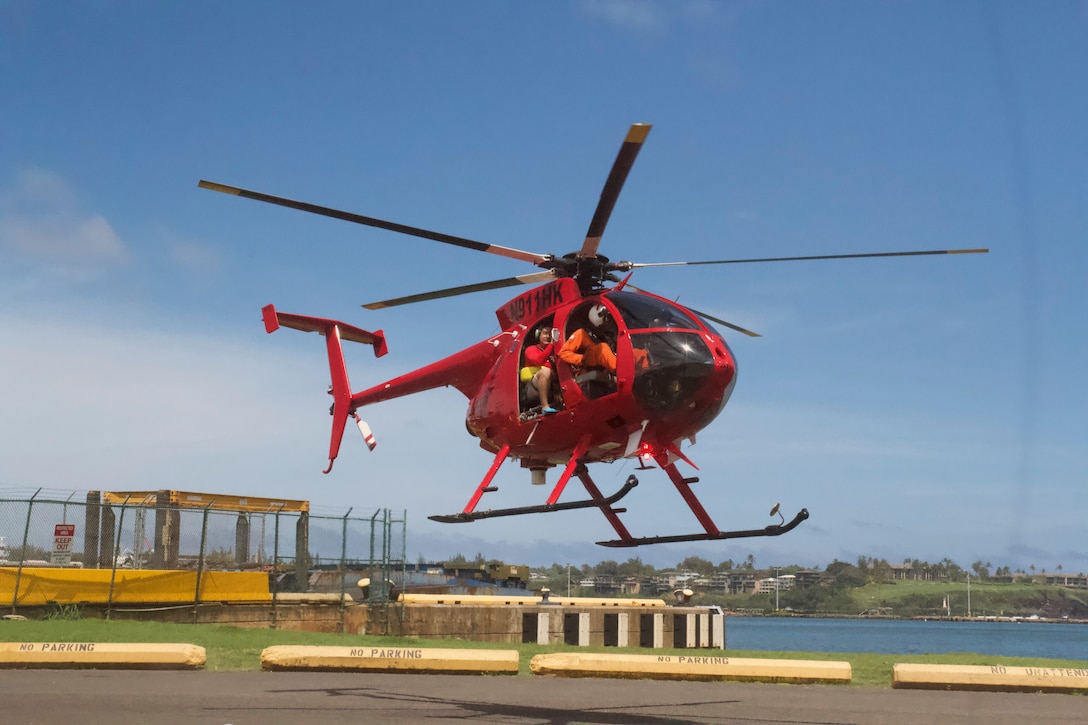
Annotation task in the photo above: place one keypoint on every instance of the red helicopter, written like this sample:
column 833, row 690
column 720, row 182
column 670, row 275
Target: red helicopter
column 629, row 374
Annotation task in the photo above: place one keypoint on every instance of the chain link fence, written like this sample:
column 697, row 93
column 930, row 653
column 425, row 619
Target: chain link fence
column 300, row 551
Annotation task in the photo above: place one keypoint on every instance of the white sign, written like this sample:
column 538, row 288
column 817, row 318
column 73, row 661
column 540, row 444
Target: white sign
column 63, row 535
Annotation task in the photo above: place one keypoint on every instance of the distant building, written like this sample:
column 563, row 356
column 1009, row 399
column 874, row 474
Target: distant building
column 807, row 578
column 771, row 584
column 919, row 572
column 1074, row 581
column 617, row 585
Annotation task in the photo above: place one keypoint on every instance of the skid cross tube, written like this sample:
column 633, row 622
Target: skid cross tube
column 602, row 502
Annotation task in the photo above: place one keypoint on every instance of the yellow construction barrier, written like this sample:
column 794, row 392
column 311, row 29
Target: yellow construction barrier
column 417, row 660
column 990, row 677
column 111, row 655
column 690, row 667
column 43, row 585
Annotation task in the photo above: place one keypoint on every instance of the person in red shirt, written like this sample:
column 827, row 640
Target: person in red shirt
column 538, row 367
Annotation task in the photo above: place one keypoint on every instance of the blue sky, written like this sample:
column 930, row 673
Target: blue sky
column 921, row 408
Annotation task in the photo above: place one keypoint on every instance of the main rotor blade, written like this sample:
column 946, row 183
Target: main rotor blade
column 712, row 318
column 822, row 256
column 730, row 325
column 612, row 187
column 464, row 290
column 379, row 223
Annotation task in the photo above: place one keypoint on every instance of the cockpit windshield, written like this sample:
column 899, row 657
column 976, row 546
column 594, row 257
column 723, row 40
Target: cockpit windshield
column 672, row 359
column 643, row 312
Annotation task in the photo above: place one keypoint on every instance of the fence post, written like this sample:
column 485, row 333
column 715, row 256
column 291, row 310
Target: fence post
column 302, row 551
column 276, row 565
column 107, row 526
column 64, row 511
column 200, row 560
column 241, row 539
column 343, row 564
column 113, row 558
column 22, row 554
column 374, row 576
column 91, row 517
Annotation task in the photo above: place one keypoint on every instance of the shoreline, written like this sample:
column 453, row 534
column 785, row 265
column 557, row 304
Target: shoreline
column 982, row 619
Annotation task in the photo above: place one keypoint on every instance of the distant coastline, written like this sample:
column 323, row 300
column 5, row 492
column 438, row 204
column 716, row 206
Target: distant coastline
column 785, row 614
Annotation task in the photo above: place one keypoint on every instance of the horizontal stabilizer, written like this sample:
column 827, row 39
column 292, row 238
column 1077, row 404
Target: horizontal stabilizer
column 273, row 320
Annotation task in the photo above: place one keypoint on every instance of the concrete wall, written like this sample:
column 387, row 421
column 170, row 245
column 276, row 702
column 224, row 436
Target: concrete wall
column 683, row 627
column 662, row 627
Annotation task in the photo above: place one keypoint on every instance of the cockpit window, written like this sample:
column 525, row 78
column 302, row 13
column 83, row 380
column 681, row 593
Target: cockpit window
column 642, row 312
column 671, row 368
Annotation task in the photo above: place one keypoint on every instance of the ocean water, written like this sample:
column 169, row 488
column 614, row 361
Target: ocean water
column 895, row 636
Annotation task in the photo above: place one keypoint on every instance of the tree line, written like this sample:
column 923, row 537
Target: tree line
column 866, row 569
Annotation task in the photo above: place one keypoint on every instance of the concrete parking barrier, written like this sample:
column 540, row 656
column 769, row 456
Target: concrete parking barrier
column 998, row 678
column 690, row 667
column 391, row 659
column 100, row 655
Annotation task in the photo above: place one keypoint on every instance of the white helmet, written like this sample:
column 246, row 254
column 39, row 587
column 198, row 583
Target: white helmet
column 598, row 315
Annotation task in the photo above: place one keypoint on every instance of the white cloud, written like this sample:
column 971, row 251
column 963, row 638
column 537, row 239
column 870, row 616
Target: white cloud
column 89, row 405
column 654, row 15
column 195, row 258
column 61, row 237
column 641, row 15
column 42, row 219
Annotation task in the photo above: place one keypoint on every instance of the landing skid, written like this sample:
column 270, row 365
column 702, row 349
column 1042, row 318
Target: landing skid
column 775, row 530
column 576, row 468
column 542, row 508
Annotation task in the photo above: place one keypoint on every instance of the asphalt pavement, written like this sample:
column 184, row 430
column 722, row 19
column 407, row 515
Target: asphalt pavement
column 59, row 697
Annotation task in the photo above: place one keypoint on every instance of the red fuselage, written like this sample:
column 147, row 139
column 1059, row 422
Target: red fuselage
column 673, row 375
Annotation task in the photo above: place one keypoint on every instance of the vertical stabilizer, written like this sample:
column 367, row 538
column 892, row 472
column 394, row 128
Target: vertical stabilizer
column 340, row 389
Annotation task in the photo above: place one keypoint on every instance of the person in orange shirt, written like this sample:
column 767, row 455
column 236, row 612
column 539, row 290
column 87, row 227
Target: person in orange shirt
column 586, row 348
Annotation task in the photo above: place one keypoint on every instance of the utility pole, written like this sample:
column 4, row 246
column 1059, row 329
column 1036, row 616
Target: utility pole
column 776, row 588
column 968, row 595
column 568, row 579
